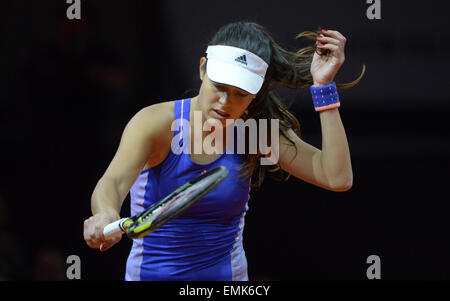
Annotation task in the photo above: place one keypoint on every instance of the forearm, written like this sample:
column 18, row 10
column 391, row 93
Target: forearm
column 106, row 198
column 335, row 156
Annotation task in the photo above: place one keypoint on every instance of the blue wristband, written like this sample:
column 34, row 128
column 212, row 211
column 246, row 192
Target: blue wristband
column 325, row 97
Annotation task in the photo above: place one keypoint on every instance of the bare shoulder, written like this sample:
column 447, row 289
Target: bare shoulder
column 158, row 113
column 145, row 140
column 162, row 107
column 154, row 122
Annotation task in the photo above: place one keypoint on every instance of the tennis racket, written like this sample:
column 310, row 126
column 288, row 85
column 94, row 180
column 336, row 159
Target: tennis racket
column 168, row 208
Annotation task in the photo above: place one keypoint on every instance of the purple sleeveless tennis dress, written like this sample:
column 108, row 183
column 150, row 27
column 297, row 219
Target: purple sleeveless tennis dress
column 205, row 242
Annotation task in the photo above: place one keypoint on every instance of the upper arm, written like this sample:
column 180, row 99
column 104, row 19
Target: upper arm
column 141, row 140
column 302, row 160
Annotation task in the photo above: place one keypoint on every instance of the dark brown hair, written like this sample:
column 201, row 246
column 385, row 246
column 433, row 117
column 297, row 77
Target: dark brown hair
column 286, row 69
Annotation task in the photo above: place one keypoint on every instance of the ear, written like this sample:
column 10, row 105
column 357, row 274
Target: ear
column 202, row 67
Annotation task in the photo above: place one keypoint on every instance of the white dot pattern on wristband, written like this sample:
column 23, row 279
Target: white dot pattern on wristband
column 329, row 97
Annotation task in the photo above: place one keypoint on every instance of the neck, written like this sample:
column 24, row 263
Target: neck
column 197, row 120
column 195, row 105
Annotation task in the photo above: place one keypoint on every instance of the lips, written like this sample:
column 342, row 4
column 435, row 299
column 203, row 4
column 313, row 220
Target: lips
column 222, row 113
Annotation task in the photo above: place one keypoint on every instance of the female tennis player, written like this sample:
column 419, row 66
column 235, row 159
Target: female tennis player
column 239, row 75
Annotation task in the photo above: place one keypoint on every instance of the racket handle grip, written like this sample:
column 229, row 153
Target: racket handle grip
column 114, row 229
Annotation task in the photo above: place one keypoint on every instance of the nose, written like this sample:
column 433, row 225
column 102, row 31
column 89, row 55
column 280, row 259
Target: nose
column 223, row 98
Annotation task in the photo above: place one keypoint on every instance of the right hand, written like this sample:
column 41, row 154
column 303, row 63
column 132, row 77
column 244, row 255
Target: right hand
column 93, row 232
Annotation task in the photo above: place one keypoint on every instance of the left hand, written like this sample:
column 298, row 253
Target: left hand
column 324, row 67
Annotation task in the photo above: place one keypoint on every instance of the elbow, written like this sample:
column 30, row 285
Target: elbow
column 342, row 183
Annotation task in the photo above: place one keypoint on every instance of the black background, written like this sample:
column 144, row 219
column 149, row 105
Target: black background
column 68, row 88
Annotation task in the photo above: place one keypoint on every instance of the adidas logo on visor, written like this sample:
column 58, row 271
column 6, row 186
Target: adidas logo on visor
column 241, row 59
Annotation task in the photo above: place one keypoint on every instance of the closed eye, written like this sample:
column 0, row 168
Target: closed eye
column 223, row 88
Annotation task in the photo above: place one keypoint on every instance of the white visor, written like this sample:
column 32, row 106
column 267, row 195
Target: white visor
column 236, row 67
